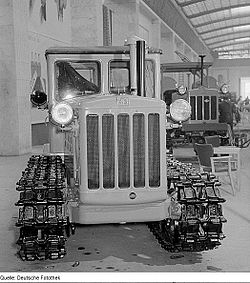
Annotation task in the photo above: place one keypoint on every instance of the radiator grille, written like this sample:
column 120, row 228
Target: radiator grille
column 204, row 108
column 135, row 158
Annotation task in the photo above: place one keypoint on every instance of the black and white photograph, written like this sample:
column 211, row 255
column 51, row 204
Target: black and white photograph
column 125, row 140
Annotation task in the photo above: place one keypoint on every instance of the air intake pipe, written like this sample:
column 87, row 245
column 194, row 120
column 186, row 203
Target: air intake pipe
column 140, row 67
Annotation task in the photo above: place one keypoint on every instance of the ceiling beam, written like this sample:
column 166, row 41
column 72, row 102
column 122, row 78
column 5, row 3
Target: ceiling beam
column 184, row 4
column 172, row 16
column 220, row 21
column 221, row 41
column 218, row 10
column 231, row 44
column 222, row 28
column 225, row 34
column 236, row 49
column 228, row 43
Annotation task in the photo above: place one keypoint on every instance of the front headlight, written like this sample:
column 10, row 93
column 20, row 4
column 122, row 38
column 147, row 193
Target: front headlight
column 180, row 110
column 224, row 88
column 62, row 113
column 182, row 90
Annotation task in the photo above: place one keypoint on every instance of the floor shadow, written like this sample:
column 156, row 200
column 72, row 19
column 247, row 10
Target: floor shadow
column 129, row 242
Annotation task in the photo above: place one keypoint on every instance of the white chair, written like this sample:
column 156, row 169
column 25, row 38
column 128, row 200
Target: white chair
column 219, row 165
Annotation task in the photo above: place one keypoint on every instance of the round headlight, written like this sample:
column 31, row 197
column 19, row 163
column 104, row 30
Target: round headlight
column 62, row 113
column 180, row 110
column 225, row 88
column 181, row 90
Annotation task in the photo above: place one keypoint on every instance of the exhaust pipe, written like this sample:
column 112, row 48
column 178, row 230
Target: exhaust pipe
column 140, row 67
column 133, row 72
column 202, row 67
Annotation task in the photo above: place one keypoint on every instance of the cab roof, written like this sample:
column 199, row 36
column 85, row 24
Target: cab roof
column 95, row 50
column 184, row 67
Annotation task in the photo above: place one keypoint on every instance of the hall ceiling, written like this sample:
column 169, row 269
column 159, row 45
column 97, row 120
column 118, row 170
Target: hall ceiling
column 223, row 25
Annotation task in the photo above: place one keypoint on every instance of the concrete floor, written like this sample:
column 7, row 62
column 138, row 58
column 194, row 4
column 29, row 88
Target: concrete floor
column 128, row 247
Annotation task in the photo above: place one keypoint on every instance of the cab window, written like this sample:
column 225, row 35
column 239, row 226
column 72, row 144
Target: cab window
column 76, row 79
column 119, row 77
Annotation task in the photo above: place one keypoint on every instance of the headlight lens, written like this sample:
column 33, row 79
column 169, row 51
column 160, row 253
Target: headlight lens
column 62, row 113
column 225, row 88
column 181, row 90
column 180, row 110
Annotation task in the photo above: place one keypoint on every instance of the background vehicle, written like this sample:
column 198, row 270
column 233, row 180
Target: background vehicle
column 204, row 102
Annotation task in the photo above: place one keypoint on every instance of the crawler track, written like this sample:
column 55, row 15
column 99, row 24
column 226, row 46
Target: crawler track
column 195, row 220
column 43, row 220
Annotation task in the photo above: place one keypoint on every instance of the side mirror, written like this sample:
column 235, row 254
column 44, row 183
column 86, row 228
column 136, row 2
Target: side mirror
column 39, row 99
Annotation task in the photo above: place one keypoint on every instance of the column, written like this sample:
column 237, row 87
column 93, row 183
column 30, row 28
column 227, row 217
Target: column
column 15, row 117
column 87, row 22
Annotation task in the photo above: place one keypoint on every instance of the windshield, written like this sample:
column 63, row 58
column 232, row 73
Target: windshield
column 76, row 78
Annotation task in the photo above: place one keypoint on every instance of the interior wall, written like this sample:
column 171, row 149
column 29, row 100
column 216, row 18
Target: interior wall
column 245, row 87
column 125, row 19
column 46, row 21
column 86, row 22
column 145, row 28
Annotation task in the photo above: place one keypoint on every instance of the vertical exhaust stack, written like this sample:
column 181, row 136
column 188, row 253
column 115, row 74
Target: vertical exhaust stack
column 140, row 67
column 202, row 67
column 133, row 74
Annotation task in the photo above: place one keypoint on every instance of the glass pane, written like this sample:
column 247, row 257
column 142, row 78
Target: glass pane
column 76, row 78
column 119, row 77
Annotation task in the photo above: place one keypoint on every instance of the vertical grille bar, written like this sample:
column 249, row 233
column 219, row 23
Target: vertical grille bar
column 206, row 102
column 193, row 107
column 154, row 149
column 199, row 107
column 93, row 151
column 139, row 149
column 123, row 151
column 214, row 107
column 108, row 151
